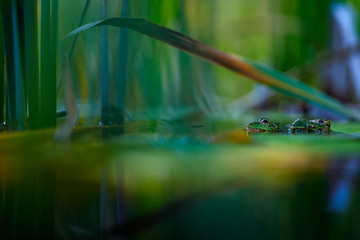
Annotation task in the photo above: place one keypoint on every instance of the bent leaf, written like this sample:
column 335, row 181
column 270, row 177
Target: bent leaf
column 263, row 74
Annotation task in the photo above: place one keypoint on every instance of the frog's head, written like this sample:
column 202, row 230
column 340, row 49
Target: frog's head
column 299, row 126
column 322, row 121
column 272, row 126
column 322, row 124
column 260, row 126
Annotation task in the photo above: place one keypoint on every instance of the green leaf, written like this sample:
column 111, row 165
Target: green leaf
column 2, row 76
column 48, row 54
column 121, row 74
column 105, row 94
column 31, row 62
column 265, row 75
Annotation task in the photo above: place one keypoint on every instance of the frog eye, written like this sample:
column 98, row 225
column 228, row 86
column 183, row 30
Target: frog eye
column 264, row 121
column 321, row 121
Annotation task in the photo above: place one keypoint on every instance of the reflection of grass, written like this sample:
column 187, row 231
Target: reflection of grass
column 149, row 158
column 157, row 169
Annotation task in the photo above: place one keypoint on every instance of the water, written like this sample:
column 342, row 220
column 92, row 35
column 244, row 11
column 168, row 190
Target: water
column 163, row 180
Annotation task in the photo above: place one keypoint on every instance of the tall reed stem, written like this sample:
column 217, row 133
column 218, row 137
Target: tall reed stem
column 104, row 71
column 31, row 62
column 48, row 63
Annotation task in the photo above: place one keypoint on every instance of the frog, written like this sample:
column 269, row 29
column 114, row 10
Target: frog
column 299, row 126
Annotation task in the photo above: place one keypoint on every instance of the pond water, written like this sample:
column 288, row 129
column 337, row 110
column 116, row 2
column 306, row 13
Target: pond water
column 172, row 181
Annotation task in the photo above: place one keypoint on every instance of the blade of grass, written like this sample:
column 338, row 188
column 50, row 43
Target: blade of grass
column 51, row 93
column 21, row 35
column 83, row 14
column 104, row 72
column 51, row 83
column 44, row 59
column 2, row 76
column 19, row 84
column 86, row 6
column 48, row 63
column 121, row 77
column 31, row 62
column 254, row 71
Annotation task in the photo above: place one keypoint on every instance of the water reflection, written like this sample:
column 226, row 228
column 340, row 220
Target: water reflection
column 168, row 186
column 342, row 173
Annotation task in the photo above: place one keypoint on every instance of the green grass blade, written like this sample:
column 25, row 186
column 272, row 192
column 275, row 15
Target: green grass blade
column 83, row 14
column 19, row 84
column 105, row 96
column 44, row 59
column 31, row 62
column 51, row 84
column 121, row 77
column 48, row 63
column 86, row 6
column 257, row 72
column 2, row 76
